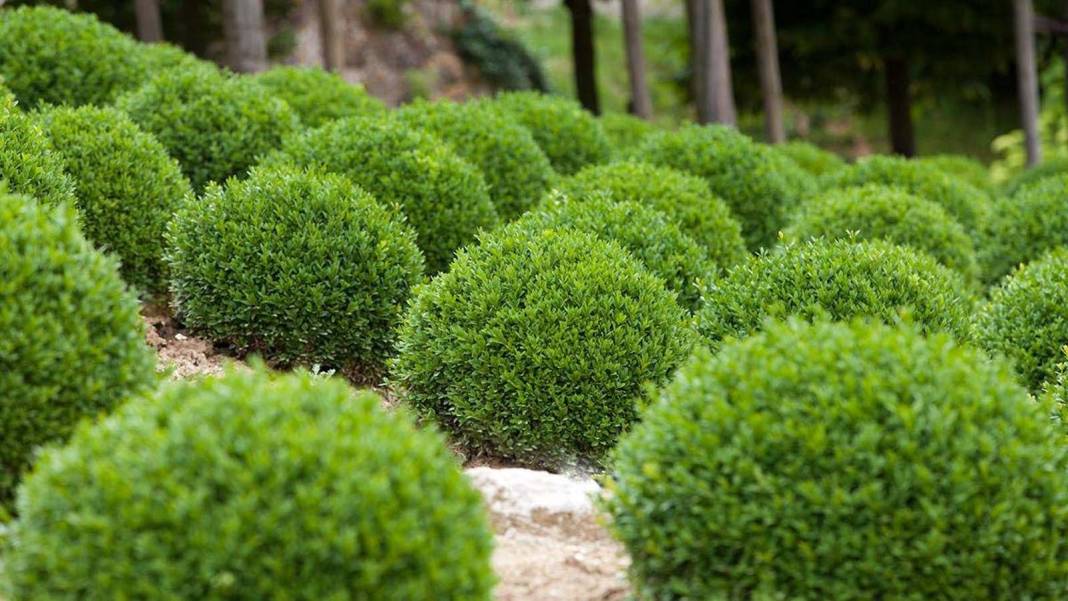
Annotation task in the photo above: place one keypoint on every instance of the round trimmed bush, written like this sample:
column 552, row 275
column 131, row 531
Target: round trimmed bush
column 813, row 159
column 27, row 161
column 161, row 56
column 71, row 337
column 1027, row 317
column 251, row 487
column 968, row 205
column 646, row 233
column 318, row 96
column 1055, row 394
column 444, row 197
column 876, row 212
column 536, row 345
column 300, row 267
column 127, row 186
column 52, row 56
column 683, row 197
column 1053, row 167
column 843, row 461
column 215, row 125
column 839, row 279
column 1023, row 227
column 571, row 137
column 961, row 167
column 516, row 170
column 738, row 170
column 624, row 130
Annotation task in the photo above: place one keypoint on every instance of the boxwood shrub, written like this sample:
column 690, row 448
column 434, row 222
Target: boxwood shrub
column 964, row 168
column 625, row 131
column 127, row 186
column 1035, row 174
column 300, row 267
column 318, row 96
column 251, row 487
column 535, row 345
column 443, row 196
column 516, row 170
column 571, row 137
column 683, row 197
column 1027, row 317
column 839, row 279
column 646, row 233
column 875, row 212
column 813, row 159
column 70, row 334
column 27, row 161
column 1055, row 394
column 1024, row 226
column 843, row 461
column 741, row 172
column 215, row 125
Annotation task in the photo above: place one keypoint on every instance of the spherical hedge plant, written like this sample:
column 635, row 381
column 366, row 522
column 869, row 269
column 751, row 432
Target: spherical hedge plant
column 876, row 212
column 1023, row 227
column 964, row 168
column 571, row 137
column 624, row 130
column 813, row 159
column 1034, row 175
column 71, row 340
column 1055, row 394
column 838, row 279
column 843, row 461
column 250, row 487
column 535, row 345
column 49, row 55
column 649, row 235
column 215, row 125
column 300, row 267
column 127, row 187
column 1027, row 317
column 736, row 169
column 28, row 163
column 685, row 198
column 444, row 198
column 318, row 96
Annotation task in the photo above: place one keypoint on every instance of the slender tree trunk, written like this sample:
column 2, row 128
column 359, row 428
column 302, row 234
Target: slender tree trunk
column 899, row 103
column 330, row 31
column 149, row 23
column 700, row 50
column 720, row 65
column 632, row 42
column 770, row 80
column 582, row 52
column 1027, row 77
column 246, row 42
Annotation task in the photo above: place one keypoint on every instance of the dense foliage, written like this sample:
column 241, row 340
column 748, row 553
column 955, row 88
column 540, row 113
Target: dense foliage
column 70, row 333
column 1056, row 167
column 840, row 279
column 499, row 57
column 625, row 131
column 444, row 198
column 27, row 161
column 843, row 461
column 964, row 168
column 535, row 345
column 251, row 487
column 317, row 96
column 1025, row 226
column 810, row 157
column 567, row 134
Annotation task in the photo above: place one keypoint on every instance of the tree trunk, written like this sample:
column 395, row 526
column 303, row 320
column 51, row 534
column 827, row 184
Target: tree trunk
column 582, row 52
column 1027, row 77
column 246, row 42
column 770, row 81
column 330, row 30
column 701, row 81
column 149, row 23
column 899, row 103
column 641, row 103
column 720, row 65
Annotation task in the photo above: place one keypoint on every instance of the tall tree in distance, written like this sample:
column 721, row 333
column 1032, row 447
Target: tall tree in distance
column 641, row 103
column 246, row 41
column 1027, row 77
column 767, row 51
column 583, row 55
column 330, row 31
column 899, row 104
column 149, row 23
column 710, row 62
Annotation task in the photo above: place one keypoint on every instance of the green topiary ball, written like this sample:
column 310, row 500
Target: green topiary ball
column 161, row 56
column 317, row 96
column 964, row 168
column 71, row 340
column 738, row 170
column 875, row 212
column 300, row 267
column 1053, row 167
column 813, row 159
column 685, row 198
column 1055, row 394
column 625, row 131
column 1027, row 317
column 649, row 235
column 127, row 187
column 839, row 279
column 848, row 462
column 215, row 125
column 968, row 205
column 251, row 487
column 444, row 197
column 49, row 55
column 1025, row 226
column 571, row 137
column 27, row 161
column 536, row 345
column 516, row 170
